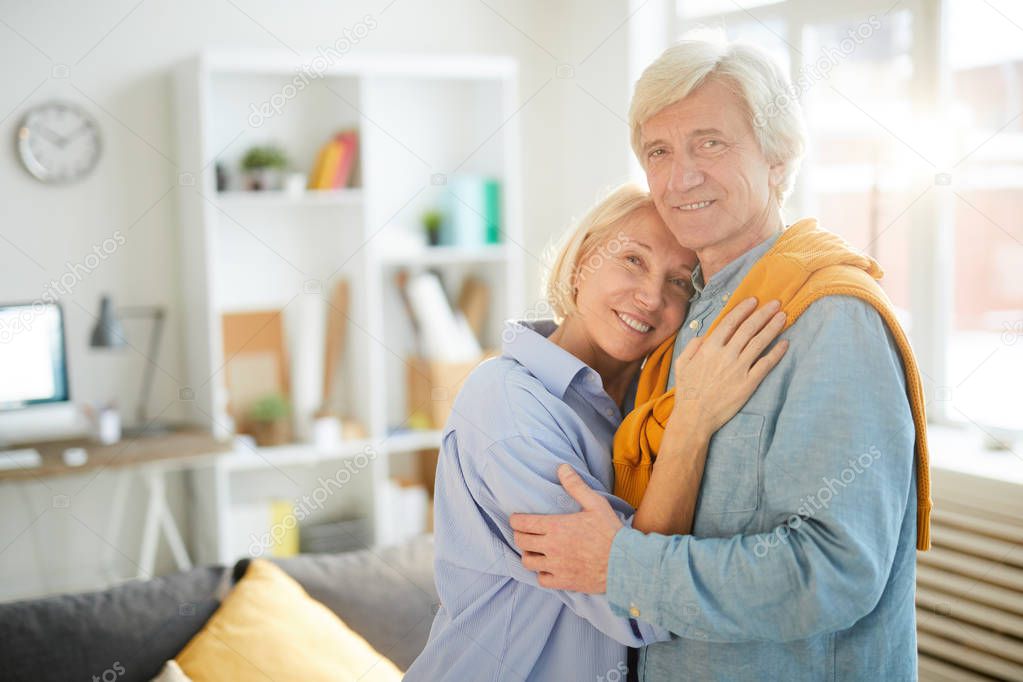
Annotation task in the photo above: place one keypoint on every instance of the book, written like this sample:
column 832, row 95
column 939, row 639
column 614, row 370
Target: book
column 317, row 166
column 349, row 140
column 328, row 170
column 335, row 166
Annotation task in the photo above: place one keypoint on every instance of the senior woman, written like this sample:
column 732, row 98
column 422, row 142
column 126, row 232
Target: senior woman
column 620, row 287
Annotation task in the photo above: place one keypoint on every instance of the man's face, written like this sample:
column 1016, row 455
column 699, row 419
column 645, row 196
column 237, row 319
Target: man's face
column 708, row 178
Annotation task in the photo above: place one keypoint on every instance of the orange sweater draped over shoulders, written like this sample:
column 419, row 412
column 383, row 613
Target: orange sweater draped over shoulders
column 804, row 265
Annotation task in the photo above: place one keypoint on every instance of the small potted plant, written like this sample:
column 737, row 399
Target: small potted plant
column 268, row 420
column 432, row 222
column 263, row 167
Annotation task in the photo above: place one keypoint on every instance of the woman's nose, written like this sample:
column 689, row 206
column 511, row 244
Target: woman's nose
column 648, row 294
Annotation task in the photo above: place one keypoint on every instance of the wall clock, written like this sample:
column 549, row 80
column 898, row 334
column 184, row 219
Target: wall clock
column 58, row 142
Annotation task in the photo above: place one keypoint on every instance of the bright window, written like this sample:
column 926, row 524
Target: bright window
column 915, row 116
column 985, row 358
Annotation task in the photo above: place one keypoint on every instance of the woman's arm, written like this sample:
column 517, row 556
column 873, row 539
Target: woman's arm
column 669, row 502
column 714, row 377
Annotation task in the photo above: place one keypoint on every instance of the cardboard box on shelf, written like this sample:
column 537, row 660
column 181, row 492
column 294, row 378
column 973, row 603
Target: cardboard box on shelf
column 433, row 385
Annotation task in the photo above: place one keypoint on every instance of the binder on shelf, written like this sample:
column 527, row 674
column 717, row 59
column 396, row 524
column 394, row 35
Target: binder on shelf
column 472, row 212
column 284, row 536
column 492, row 199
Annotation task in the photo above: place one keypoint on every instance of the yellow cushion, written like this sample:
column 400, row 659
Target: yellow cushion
column 268, row 628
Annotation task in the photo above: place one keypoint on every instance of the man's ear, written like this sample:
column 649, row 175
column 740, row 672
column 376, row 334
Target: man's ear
column 776, row 174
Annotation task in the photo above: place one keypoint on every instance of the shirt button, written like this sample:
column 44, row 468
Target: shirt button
column 694, row 325
column 609, row 412
column 633, row 611
column 724, row 297
column 594, row 379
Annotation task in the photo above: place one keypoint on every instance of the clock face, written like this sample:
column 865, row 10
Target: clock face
column 58, row 142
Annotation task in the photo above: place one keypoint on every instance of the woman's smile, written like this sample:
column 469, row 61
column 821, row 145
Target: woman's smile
column 634, row 324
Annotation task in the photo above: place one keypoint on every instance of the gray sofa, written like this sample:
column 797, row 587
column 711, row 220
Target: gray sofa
column 128, row 631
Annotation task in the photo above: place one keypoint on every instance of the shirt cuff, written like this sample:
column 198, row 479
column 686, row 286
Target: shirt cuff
column 633, row 575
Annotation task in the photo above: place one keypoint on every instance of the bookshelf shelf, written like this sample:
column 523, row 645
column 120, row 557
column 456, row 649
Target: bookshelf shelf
column 334, row 197
column 410, row 441
column 247, row 458
column 446, row 255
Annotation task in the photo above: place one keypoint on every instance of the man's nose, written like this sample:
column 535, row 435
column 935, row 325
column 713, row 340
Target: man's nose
column 684, row 175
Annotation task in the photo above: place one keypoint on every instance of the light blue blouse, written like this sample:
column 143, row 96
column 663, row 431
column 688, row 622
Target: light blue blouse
column 515, row 420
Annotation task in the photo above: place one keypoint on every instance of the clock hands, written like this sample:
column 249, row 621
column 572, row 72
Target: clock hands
column 61, row 141
column 53, row 137
column 78, row 131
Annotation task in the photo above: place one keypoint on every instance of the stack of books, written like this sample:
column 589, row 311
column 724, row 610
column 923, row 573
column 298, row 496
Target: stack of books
column 335, row 162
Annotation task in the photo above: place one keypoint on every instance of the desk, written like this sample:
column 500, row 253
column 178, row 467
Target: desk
column 151, row 457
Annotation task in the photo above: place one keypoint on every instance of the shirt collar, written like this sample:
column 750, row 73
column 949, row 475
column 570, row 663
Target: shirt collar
column 526, row 342
column 729, row 276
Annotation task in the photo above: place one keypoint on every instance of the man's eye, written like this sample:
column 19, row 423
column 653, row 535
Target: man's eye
column 710, row 144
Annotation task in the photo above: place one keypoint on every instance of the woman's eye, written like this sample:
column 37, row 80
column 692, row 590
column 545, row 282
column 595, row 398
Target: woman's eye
column 633, row 259
column 656, row 153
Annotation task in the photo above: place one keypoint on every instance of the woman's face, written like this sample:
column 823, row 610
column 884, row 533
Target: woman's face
column 633, row 290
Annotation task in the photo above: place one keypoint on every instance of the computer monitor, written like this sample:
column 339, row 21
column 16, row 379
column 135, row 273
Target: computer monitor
column 33, row 362
column 35, row 400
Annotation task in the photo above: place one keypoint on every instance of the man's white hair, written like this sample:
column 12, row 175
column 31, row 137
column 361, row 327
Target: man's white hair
column 771, row 104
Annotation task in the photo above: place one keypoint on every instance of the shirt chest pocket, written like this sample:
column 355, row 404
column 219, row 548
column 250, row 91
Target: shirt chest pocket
column 731, row 478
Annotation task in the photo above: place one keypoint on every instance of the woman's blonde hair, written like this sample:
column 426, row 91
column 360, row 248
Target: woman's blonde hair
column 591, row 241
column 771, row 102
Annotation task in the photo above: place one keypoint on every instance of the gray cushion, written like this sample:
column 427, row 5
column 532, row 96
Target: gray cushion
column 133, row 627
column 130, row 630
column 386, row 595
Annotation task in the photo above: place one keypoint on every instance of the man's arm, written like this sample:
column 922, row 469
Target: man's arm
column 825, row 563
column 520, row 473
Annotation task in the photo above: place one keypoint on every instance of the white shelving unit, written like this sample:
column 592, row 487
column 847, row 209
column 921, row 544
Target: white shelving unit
column 421, row 120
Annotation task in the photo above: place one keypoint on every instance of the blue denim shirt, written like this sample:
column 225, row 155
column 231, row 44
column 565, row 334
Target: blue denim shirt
column 515, row 420
column 801, row 564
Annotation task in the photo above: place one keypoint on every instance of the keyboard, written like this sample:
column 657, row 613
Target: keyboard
column 28, row 458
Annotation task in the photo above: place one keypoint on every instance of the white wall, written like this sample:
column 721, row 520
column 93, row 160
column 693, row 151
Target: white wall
column 116, row 55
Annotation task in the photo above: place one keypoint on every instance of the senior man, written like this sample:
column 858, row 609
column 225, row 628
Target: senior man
column 801, row 564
